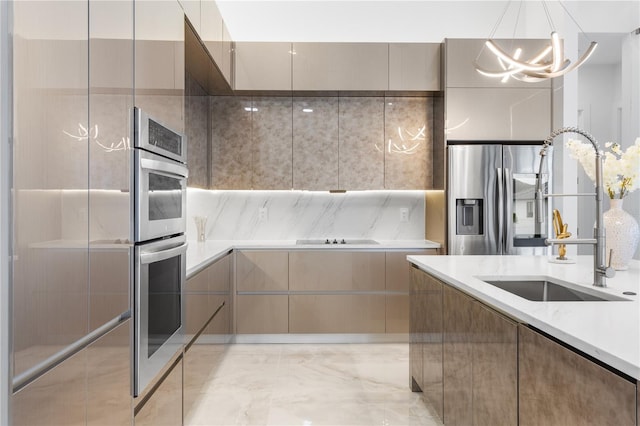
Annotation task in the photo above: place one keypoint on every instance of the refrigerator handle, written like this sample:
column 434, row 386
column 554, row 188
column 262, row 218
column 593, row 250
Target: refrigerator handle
column 508, row 212
column 499, row 208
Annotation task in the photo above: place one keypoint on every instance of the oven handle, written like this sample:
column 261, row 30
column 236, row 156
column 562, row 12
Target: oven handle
column 163, row 166
column 146, row 258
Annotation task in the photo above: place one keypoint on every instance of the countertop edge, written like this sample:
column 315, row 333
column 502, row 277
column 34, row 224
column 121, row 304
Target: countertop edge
column 209, row 251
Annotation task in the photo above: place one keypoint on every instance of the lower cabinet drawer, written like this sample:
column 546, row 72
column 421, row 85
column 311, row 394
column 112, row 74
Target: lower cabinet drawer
column 267, row 314
column 337, row 313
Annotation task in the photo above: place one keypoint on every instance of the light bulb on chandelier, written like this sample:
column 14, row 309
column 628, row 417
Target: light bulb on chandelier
column 550, row 62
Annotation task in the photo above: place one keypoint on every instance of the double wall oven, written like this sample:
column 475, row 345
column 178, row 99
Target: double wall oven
column 160, row 182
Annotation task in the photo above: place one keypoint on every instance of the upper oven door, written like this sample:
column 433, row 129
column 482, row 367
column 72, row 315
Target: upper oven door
column 160, row 196
column 154, row 136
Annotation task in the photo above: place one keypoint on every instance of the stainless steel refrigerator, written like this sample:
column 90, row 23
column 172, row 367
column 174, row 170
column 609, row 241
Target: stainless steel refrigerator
column 490, row 198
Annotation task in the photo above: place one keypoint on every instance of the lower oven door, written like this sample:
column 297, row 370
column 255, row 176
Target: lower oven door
column 158, row 315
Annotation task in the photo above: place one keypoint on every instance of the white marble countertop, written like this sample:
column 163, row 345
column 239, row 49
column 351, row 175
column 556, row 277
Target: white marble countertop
column 201, row 254
column 608, row 331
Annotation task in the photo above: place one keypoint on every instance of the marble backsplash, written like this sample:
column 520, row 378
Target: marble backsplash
column 294, row 215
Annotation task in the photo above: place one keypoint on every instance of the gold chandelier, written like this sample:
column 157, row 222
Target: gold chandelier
column 550, row 62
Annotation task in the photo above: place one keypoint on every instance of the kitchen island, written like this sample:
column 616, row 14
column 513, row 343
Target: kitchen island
column 484, row 349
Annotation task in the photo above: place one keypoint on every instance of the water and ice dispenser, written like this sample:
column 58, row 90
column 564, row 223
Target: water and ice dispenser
column 469, row 216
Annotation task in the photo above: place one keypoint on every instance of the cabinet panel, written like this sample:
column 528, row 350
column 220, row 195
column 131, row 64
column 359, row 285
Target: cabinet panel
column 361, row 313
column 56, row 398
column 432, row 347
column 414, row 66
column 262, row 270
column 498, row 114
column 495, row 368
column 558, row 386
column 159, row 62
column 349, row 271
column 191, row 9
column 315, row 143
column 417, row 310
column 409, row 143
column 457, row 358
column 340, row 66
column 397, row 313
column 397, row 268
column 460, row 67
column 228, row 55
column 109, row 281
column 257, row 314
column 211, row 31
column 263, row 66
column 230, row 142
column 271, row 135
column 196, row 116
column 361, row 146
column 109, row 399
column 164, row 407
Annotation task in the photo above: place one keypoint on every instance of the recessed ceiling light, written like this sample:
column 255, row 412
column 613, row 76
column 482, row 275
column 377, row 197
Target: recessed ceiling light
column 250, row 109
column 307, row 110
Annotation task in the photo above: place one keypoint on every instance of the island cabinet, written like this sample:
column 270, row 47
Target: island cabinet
column 463, row 355
column 561, row 387
column 425, row 337
column 262, row 283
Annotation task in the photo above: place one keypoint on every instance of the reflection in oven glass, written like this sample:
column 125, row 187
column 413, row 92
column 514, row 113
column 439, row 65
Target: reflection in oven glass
column 165, row 197
column 164, row 301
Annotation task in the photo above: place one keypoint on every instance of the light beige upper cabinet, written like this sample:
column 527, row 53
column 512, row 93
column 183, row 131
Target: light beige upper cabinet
column 461, row 54
column 340, row 66
column 159, row 61
column 414, row 66
column 211, row 29
column 193, row 13
column 498, row 114
column 228, row 55
column 262, row 66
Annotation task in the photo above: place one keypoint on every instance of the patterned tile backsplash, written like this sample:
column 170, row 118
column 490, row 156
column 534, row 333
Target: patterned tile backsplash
column 294, row 215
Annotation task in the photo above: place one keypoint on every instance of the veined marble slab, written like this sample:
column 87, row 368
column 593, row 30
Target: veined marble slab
column 608, row 331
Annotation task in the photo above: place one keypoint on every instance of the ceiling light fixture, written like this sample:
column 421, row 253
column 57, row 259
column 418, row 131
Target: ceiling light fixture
column 550, row 62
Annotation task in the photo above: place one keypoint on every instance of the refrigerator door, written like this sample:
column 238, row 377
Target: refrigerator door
column 523, row 234
column 474, row 192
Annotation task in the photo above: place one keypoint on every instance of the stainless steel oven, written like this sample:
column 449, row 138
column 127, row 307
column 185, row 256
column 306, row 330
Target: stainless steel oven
column 161, row 196
column 158, row 315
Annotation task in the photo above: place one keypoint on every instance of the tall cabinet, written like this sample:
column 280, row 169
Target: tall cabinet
column 73, row 93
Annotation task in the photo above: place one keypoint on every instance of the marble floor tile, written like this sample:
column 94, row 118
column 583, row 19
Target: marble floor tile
column 304, row 384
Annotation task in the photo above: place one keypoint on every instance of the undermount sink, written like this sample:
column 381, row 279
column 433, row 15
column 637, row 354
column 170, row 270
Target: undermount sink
column 336, row 241
column 545, row 289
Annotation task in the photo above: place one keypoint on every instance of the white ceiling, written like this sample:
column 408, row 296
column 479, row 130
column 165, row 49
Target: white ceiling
column 427, row 21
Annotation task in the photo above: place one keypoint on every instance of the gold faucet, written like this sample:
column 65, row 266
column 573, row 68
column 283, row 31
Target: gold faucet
column 560, row 229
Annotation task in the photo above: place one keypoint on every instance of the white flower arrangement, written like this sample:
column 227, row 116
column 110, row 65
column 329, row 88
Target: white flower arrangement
column 620, row 170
